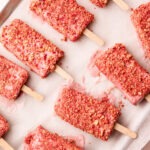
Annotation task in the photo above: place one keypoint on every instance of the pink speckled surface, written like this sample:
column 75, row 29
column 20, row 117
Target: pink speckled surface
column 113, row 25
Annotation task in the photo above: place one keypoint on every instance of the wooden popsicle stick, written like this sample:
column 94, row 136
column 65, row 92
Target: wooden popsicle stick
column 148, row 98
column 63, row 73
column 93, row 37
column 32, row 93
column 5, row 145
column 125, row 131
column 122, row 4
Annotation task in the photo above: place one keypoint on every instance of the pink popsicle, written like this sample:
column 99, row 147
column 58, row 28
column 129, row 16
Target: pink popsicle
column 119, row 66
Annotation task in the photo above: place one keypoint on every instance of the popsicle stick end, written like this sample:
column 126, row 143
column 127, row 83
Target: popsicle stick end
column 93, row 37
column 122, row 4
column 125, row 131
column 5, row 145
column 63, row 73
column 32, row 93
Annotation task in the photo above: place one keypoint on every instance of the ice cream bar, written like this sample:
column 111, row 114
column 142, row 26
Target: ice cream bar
column 41, row 139
column 91, row 115
column 124, row 71
column 66, row 16
column 141, row 20
column 4, row 126
column 31, row 47
column 100, row 3
column 12, row 78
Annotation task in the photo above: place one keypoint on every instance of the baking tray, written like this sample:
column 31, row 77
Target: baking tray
column 7, row 7
column 113, row 25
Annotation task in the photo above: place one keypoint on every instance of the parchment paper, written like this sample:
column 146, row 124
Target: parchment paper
column 113, row 25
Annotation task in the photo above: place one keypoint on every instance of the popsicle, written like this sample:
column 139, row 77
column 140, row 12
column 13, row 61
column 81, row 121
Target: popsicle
column 67, row 17
column 103, row 3
column 12, row 80
column 4, row 127
column 32, row 48
column 119, row 66
column 141, row 20
column 97, row 117
column 42, row 139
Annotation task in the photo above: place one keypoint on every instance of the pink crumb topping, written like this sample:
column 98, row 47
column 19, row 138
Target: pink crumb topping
column 123, row 70
column 4, row 126
column 87, row 113
column 12, row 78
column 42, row 139
column 141, row 20
column 31, row 47
column 100, row 3
column 66, row 16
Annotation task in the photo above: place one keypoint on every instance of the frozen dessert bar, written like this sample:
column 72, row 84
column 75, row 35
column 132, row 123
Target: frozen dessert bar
column 12, row 78
column 124, row 71
column 65, row 16
column 141, row 20
column 42, row 139
column 91, row 115
column 31, row 47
